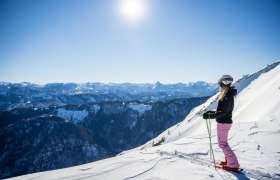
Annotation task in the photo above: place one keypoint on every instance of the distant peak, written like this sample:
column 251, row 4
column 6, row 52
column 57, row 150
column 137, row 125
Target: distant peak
column 158, row 83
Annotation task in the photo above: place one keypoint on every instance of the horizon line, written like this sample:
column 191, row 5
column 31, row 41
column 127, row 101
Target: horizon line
column 106, row 83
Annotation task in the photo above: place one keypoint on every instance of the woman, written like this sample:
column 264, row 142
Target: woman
column 223, row 116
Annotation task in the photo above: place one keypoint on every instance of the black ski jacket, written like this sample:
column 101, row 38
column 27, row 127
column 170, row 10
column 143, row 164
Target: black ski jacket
column 225, row 107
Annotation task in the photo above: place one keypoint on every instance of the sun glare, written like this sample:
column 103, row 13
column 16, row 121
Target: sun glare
column 133, row 10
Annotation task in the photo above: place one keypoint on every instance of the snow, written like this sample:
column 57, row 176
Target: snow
column 141, row 108
column 72, row 115
column 247, row 79
column 95, row 108
column 184, row 154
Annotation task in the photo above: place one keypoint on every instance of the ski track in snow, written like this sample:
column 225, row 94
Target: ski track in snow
column 194, row 158
column 152, row 169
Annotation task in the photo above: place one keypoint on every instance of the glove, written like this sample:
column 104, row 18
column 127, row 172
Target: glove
column 209, row 115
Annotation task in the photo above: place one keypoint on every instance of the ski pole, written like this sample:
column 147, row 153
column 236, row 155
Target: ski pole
column 211, row 143
column 208, row 131
column 209, row 134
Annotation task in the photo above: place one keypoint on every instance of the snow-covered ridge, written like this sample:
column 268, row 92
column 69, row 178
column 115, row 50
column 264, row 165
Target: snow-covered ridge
column 243, row 82
column 184, row 151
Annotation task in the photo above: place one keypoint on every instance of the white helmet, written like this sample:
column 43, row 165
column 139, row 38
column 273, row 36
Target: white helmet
column 225, row 80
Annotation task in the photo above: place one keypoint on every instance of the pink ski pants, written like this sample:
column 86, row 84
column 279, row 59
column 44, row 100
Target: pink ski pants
column 222, row 132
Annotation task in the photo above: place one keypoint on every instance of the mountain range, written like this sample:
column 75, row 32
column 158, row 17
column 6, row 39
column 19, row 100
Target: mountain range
column 62, row 125
column 22, row 95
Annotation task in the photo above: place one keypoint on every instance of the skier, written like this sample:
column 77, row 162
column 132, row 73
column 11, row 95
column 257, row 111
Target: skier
column 223, row 116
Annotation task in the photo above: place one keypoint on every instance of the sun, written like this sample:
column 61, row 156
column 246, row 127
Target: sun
column 133, row 10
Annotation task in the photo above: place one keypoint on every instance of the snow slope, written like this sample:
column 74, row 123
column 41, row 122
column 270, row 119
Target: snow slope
column 184, row 152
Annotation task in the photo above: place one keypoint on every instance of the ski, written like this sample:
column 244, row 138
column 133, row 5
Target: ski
column 237, row 170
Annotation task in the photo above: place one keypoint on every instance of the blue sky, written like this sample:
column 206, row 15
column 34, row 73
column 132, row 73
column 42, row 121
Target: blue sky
column 177, row 40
